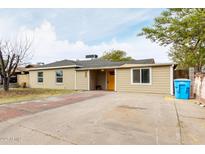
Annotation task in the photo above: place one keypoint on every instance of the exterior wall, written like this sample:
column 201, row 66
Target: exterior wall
column 23, row 78
column 82, row 80
column 199, row 87
column 160, row 81
column 49, row 79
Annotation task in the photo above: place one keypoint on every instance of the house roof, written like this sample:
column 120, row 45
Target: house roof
column 21, row 69
column 64, row 62
column 26, row 68
column 106, row 63
column 32, row 65
column 94, row 63
column 97, row 63
column 130, row 66
column 146, row 65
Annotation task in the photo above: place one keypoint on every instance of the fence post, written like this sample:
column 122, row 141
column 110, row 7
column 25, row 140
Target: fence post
column 191, row 77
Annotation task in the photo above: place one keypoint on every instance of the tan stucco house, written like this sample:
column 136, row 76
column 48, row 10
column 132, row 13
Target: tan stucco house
column 133, row 76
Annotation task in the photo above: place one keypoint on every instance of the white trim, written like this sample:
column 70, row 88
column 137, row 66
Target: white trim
column 115, row 80
column 127, row 66
column 60, row 83
column 97, row 68
column 40, row 83
column 171, row 80
column 75, row 84
column 150, row 76
column 57, row 67
column 111, row 67
column 88, row 76
column 145, row 65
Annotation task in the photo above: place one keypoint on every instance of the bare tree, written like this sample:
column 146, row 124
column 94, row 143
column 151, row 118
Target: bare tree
column 12, row 54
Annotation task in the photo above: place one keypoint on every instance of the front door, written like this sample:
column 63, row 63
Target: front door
column 111, row 80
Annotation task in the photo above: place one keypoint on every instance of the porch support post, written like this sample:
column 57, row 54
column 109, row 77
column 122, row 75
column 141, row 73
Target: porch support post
column 105, row 79
column 75, row 86
column 172, row 80
column 115, row 80
column 88, row 79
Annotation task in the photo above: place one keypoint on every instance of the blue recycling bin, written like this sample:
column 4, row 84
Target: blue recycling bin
column 182, row 88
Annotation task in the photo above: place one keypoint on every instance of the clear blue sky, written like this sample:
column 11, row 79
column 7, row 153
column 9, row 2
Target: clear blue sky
column 73, row 33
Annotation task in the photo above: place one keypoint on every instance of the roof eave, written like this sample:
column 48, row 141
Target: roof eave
column 97, row 68
column 56, row 67
column 146, row 65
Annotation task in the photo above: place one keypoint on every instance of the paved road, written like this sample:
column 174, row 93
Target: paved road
column 109, row 118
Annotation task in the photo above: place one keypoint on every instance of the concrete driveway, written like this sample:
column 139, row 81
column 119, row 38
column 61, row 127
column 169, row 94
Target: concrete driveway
column 108, row 118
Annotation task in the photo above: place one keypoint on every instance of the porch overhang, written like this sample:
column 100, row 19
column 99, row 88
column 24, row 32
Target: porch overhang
column 97, row 68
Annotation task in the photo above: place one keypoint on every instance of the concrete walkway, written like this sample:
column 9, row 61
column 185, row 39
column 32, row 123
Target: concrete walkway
column 9, row 111
column 109, row 118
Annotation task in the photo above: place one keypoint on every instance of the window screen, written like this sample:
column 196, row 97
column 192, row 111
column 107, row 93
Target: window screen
column 40, row 77
column 141, row 76
column 145, row 75
column 59, row 76
column 136, row 76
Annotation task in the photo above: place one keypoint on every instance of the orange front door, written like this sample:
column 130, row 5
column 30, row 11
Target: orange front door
column 111, row 80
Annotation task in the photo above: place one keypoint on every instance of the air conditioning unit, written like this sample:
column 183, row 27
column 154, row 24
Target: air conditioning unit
column 91, row 56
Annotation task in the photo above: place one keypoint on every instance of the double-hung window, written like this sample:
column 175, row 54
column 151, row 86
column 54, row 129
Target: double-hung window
column 40, row 77
column 59, row 76
column 141, row 76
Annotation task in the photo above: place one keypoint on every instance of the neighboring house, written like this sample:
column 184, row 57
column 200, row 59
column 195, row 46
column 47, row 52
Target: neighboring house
column 133, row 76
column 22, row 75
column 14, row 78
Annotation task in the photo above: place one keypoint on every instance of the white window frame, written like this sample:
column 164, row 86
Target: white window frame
column 56, row 77
column 150, row 76
column 40, row 77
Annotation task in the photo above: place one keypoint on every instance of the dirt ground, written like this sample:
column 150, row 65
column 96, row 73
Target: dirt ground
column 26, row 94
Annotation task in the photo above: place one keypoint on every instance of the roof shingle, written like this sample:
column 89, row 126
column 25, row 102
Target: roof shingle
column 95, row 63
column 59, row 63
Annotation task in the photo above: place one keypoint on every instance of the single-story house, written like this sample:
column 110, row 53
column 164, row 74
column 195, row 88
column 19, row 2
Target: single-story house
column 20, row 77
column 132, row 76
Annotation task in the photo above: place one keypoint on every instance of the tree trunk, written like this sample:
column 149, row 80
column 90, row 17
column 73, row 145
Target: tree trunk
column 6, row 84
column 199, row 68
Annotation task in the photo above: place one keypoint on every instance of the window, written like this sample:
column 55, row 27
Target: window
column 13, row 79
column 141, row 76
column 40, row 77
column 145, row 75
column 59, row 76
column 136, row 76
